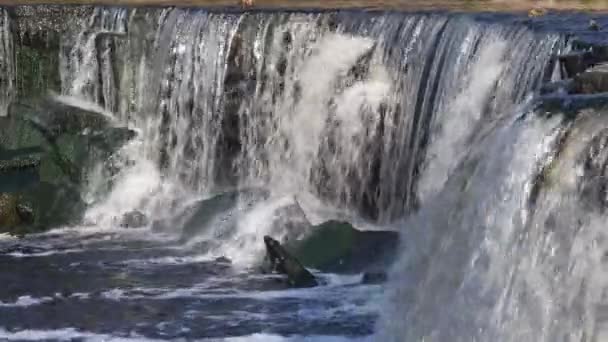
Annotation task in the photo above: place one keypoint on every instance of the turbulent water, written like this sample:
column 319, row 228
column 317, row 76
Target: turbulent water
column 423, row 123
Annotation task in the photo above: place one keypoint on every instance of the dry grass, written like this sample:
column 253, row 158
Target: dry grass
column 455, row 5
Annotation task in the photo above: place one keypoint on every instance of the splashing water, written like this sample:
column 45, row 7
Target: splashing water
column 376, row 116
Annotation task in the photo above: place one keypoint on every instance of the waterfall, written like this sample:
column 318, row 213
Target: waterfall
column 422, row 121
column 350, row 109
column 7, row 62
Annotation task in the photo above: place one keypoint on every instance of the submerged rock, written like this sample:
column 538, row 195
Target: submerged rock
column 283, row 262
column 134, row 219
column 340, row 248
column 374, row 278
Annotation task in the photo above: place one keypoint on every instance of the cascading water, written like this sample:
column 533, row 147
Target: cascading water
column 425, row 123
column 7, row 63
column 323, row 104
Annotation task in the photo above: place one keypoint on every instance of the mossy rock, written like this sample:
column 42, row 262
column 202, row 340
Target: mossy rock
column 339, row 247
column 54, row 205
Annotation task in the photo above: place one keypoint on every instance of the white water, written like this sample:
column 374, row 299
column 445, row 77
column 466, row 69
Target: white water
column 7, row 63
column 429, row 125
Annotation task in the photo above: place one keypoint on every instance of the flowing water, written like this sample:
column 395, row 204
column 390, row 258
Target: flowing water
column 421, row 123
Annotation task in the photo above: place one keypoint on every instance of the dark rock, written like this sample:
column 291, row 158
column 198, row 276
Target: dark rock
column 283, row 262
column 223, row 260
column 26, row 214
column 46, row 150
column 374, row 278
column 594, row 26
column 338, row 247
column 19, row 169
column 9, row 217
column 575, row 63
column 594, row 80
column 134, row 219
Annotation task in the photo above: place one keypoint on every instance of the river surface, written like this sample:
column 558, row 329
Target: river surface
column 104, row 285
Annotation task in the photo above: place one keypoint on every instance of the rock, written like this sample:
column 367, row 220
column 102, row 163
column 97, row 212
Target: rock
column 338, row 247
column 537, row 12
column 46, row 151
column 26, row 214
column 283, row 262
column 290, row 222
column 19, row 169
column 594, row 80
column 9, row 217
column 134, row 219
column 374, row 278
column 221, row 207
column 575, row 63
column 593, row 25
column 223, row 260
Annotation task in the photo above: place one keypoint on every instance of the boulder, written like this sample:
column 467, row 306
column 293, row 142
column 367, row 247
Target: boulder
column 338, row 247
column 283, row 262
column 134, row 219
column 46, row 150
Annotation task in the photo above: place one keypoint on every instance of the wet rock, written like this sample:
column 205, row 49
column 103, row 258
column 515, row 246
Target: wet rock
column 338, row 247
column 575, row 63
column 199, row 216
column 9, row 217
column 26, row 214
column 283, row 262
column 290, row 222
column 594, row 80
column 223, row 260
column 594, row 26
column 46, row 150
column 378, row 277
column 134, row 219
column 19, row 169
